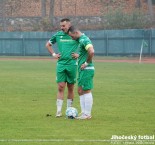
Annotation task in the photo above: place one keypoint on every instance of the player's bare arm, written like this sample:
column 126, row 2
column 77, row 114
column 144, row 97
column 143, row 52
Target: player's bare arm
column 51, row 51
column 90, row 56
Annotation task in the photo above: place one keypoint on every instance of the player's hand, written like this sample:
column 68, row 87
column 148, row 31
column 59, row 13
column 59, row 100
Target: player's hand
column 57, row 56
column 75, row 55
column 83, row 66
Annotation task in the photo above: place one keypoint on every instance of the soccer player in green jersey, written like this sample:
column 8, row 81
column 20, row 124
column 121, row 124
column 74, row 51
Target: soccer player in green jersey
column 66, row 64
column 85, row 71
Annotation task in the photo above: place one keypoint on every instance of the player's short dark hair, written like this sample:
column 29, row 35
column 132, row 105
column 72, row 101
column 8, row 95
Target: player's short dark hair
column 65, row 19
column 72, row 29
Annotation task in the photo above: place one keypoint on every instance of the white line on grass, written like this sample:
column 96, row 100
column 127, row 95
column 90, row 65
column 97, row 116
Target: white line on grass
column 50, row 140
column 65, row 140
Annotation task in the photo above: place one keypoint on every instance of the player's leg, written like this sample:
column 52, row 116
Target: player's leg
column 88, row 103
column 86, row 84
column 80, row 92
column 71, row 80
column 60, row 98
column 61, row 81
column 70, row 94
column 82, row 100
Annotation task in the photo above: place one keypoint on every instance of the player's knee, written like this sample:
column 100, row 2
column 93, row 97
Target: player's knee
column 61, row 88
column 80, row 92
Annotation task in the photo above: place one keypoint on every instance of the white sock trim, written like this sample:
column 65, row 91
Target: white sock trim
column 69, row 102
column 82, row 103
column 88, row 103
column 59, row 104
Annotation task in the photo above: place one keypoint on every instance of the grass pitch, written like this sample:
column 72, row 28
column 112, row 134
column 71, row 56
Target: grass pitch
column 124, row 98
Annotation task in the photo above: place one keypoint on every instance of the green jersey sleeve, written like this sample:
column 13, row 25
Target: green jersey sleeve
column 86, row 42
column 53, row 39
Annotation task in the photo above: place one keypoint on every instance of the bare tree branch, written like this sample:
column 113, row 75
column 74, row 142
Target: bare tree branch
column 137, row 3
column 51, row 15
column 43, row 8
column 151, row 10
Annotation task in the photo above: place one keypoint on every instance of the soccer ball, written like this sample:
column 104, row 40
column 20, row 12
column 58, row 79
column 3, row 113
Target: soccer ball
column 71, row 113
